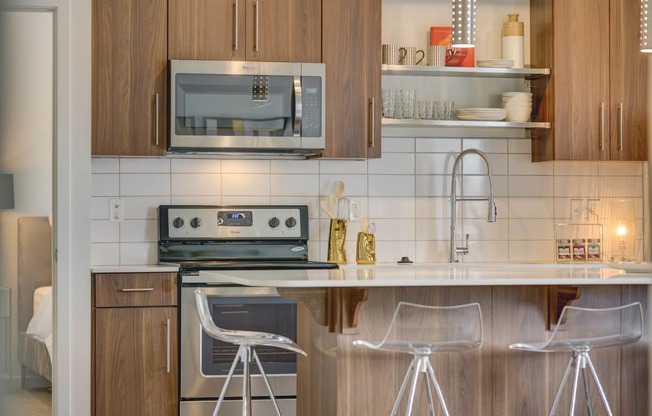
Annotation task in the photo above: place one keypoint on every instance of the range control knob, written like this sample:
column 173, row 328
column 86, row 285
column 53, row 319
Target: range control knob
column 274, row 222
column 178, row 222
column 290, row 222
column 195, row 222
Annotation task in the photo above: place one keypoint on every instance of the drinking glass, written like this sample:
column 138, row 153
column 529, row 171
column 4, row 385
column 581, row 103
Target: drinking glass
column 389, row 102
column 408, row 103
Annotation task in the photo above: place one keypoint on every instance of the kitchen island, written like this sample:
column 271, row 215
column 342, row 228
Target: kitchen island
column 519, row 303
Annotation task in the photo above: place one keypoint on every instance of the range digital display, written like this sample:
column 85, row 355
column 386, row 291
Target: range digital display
column 235, row 218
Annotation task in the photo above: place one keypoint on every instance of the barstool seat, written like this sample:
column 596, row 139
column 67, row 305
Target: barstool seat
column 246, row 342
column 422, row 330
column 581, row 330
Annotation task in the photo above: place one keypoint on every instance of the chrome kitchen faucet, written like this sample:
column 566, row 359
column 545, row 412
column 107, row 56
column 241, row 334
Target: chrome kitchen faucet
column 491, row 205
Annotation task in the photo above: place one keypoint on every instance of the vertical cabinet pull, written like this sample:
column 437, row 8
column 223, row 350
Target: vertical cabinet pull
column 256, row 7
column 235, row 25
column 158, row 110
column 372, row 123
column 167, row 358
column 602, row 132
column 620, row 126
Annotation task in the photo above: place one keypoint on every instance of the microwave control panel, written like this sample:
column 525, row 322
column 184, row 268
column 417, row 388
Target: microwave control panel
column 312, row 111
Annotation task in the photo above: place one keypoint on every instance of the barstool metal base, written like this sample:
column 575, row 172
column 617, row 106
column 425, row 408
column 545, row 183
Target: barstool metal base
column 579, row 362
column 420, row 365
column 245, row 355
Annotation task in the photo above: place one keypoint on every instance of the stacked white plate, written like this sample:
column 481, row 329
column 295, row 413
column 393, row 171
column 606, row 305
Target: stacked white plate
column 518, row 106
column 495, row 63
column 493, row 114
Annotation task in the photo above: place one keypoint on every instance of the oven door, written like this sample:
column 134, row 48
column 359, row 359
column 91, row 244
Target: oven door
column 205, row 362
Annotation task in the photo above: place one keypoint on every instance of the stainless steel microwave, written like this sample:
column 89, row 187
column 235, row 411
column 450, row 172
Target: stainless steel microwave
column 247, row 108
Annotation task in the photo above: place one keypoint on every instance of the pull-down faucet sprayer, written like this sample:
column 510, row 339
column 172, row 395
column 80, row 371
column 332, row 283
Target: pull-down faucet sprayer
column 491, row 205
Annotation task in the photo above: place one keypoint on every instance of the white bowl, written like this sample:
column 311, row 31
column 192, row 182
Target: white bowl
column 517, row 105
column 518, row 114
column 517, row 94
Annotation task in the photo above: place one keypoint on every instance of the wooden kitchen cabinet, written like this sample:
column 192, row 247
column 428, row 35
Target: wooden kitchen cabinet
column 252, row 30
column 129, row 77
column 351, row 51
column 596, row 94
column 135, row 344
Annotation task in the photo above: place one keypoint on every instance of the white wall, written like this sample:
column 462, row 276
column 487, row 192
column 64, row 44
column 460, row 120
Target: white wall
column 26, row 131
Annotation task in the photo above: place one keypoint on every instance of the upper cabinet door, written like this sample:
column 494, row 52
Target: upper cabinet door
column 129, row 77
column 351, row 52
column 207, row 29
column 628, row 83
column 283, row 30
column 596, row 94
column 251, row 30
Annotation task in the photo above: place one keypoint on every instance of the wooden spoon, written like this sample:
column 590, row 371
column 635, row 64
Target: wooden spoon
column 364, row 223
column 327, row 208
column 339, row 189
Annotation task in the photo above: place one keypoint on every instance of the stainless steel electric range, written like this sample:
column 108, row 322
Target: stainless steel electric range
column 248, row 237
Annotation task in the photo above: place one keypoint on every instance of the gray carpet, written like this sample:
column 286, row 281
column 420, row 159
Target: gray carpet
column 19, row 402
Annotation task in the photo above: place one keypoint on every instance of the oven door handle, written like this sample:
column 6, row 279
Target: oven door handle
column 137, row 289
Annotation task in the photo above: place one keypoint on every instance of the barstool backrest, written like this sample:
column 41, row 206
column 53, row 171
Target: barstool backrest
column 435, row 328
column 585, row 328
column 206, row 319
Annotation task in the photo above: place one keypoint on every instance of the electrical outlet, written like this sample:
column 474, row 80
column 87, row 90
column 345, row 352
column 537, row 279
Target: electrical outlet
column 592, row 210
column 116, row 210
column 355, row 209
column 576, row 210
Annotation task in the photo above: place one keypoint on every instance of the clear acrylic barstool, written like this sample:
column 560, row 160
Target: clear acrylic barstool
column 421, row 330
column 246, row 342
column 609, row 327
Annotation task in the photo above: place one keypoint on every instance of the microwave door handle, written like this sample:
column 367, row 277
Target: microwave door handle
column 298, row 106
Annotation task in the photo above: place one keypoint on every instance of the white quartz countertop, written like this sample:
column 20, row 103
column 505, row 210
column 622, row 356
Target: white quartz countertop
column 391, row 275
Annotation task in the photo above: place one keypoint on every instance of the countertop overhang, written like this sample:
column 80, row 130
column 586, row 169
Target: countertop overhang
column 435, row 274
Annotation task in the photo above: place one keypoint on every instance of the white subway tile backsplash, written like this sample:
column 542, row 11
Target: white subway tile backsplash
column 398, row 145
column 105, row 231
column 105, row 184
column 521, row 164
column 295, row 166
column 144, row 165
column 137, row 231
column 392, row 163
column 524, row 186
column 245, row 185
column 105, row 165
column 295, row 185
column 133, row 254
column 485, row 145
column 405, row 193
column 105, row 254
column 391, row 185
column 196, row 166
column 343, row 167
column 521, row 208
column 141, row 184
column 246, row 166
column 185, row 184
column 143, row 207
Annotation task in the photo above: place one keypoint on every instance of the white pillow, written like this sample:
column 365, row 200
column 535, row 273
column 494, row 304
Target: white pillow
column 41, row 323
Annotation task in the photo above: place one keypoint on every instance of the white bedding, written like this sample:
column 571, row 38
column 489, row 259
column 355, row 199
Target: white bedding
column 41, row 323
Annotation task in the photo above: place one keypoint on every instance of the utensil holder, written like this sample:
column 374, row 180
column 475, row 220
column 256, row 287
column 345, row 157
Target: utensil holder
column 365, row 252
column 336, row 239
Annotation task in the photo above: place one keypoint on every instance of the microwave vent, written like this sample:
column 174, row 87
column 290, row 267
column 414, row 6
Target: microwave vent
column 260, row 88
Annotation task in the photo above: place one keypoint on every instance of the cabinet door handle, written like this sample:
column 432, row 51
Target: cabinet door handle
column 137, row 289
column 167, row 334
column 158, row 110
column 372, row 122
column 621, row 110
column 235, row 25
column 256, row 8
column 601, row 126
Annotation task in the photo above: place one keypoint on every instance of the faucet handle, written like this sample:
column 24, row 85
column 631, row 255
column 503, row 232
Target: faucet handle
column 463, row 250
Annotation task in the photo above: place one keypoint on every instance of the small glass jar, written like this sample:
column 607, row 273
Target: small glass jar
column 594, row 250
column 579, row 249
column 563, row 251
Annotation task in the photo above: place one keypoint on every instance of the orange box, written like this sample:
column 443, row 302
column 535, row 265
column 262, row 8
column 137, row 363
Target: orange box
column 443, row 35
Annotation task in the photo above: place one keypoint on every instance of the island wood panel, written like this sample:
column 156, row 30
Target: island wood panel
column 492, row 381
column 634, row 386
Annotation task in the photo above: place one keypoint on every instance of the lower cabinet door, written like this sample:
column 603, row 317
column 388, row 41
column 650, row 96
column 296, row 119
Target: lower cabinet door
column 135, row 361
